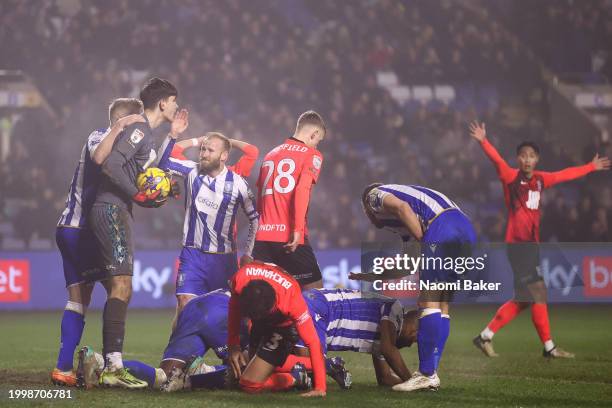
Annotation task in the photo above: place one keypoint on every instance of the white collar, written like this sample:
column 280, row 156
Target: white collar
column 208, row 179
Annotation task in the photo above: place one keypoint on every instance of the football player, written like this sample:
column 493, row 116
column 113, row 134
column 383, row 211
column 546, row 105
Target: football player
column 74, row 238
column 431, row 218
column 522, row 192
column 285, row 181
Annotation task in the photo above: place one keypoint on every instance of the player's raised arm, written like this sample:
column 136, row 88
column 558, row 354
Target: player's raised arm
column 245, row 164
column 572, row 173
column 100, row 151
column 478, row 132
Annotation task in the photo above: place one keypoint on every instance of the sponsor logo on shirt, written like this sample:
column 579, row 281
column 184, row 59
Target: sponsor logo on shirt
column 209, row 203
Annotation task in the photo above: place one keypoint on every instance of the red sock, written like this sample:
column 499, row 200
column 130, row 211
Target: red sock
column 504, row 315
column 276, row 382
column 279, row 382
column 291, row 361
column 539, row 316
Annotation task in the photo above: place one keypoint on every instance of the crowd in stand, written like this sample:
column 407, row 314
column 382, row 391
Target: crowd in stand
column 249, row 68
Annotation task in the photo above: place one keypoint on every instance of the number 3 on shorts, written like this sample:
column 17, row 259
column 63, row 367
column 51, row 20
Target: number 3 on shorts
column 272, row 344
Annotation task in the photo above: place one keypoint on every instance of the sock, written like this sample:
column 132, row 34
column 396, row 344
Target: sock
column 71, row 332
column 279, row 382
column 212, row 380
column 539, row 317
column 504, row 315
column 442, row 337
column 276, row 382
column 141, row 371
column 427, row 339
column 291, row 361
column 113, row 330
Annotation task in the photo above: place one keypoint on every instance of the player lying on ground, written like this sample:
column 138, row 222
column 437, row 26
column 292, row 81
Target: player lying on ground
column 522, row 190
column 349, row 320
column 272, row 300
column 214, row 194
column 202, row 326
column 74, row 238
column 445, row 231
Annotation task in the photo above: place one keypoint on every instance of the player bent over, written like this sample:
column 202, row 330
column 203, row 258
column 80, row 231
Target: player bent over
column 74, row 237
column 522, row 190
column 444, row 232
column 110, row 218
column 272, row 299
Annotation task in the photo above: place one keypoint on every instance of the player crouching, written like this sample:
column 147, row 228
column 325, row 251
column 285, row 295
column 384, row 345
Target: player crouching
column 273, row 301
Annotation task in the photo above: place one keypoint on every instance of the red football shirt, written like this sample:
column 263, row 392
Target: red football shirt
column 522, row 195
column 285, row 179
column 289, row 304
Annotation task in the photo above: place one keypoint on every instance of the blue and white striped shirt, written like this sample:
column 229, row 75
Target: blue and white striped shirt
column 354, row 317
column 84, row 185
column 211, row 206
column 86, row 180
column 426, row 203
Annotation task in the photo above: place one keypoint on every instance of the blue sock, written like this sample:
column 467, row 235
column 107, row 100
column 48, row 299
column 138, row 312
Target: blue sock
column 427, row 340
column 442, row 337
column 141, row 371
column 72, row 330
column 211, row 381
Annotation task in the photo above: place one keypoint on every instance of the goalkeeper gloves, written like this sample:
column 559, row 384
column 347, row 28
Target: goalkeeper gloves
column 148, row 200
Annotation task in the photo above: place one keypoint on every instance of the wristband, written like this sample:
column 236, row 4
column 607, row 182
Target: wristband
column 194, row 141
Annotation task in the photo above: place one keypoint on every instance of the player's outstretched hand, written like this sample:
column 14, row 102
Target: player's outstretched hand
column 478, row 131
column 245, row 259
column 601, row 163
column 294, row 241
column 130, row 120
column 237, row 360
column 179, row 124
column 313, row 393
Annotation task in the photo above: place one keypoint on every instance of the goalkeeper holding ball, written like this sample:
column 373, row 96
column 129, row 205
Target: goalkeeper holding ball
column 133, row 153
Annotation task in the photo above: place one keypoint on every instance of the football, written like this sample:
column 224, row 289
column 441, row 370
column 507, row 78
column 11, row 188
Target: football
column 154, row 179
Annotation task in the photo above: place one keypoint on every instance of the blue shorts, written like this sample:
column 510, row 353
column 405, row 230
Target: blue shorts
column 78, row 247
column 319, row 312
column 201, row 325
column 200, row 272
column 450, row 235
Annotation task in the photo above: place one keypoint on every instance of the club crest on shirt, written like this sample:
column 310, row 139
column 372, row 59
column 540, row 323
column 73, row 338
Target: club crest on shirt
column 136, row 137
column 228, row 187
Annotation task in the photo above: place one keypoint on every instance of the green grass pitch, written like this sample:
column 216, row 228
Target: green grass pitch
column 520, row 377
